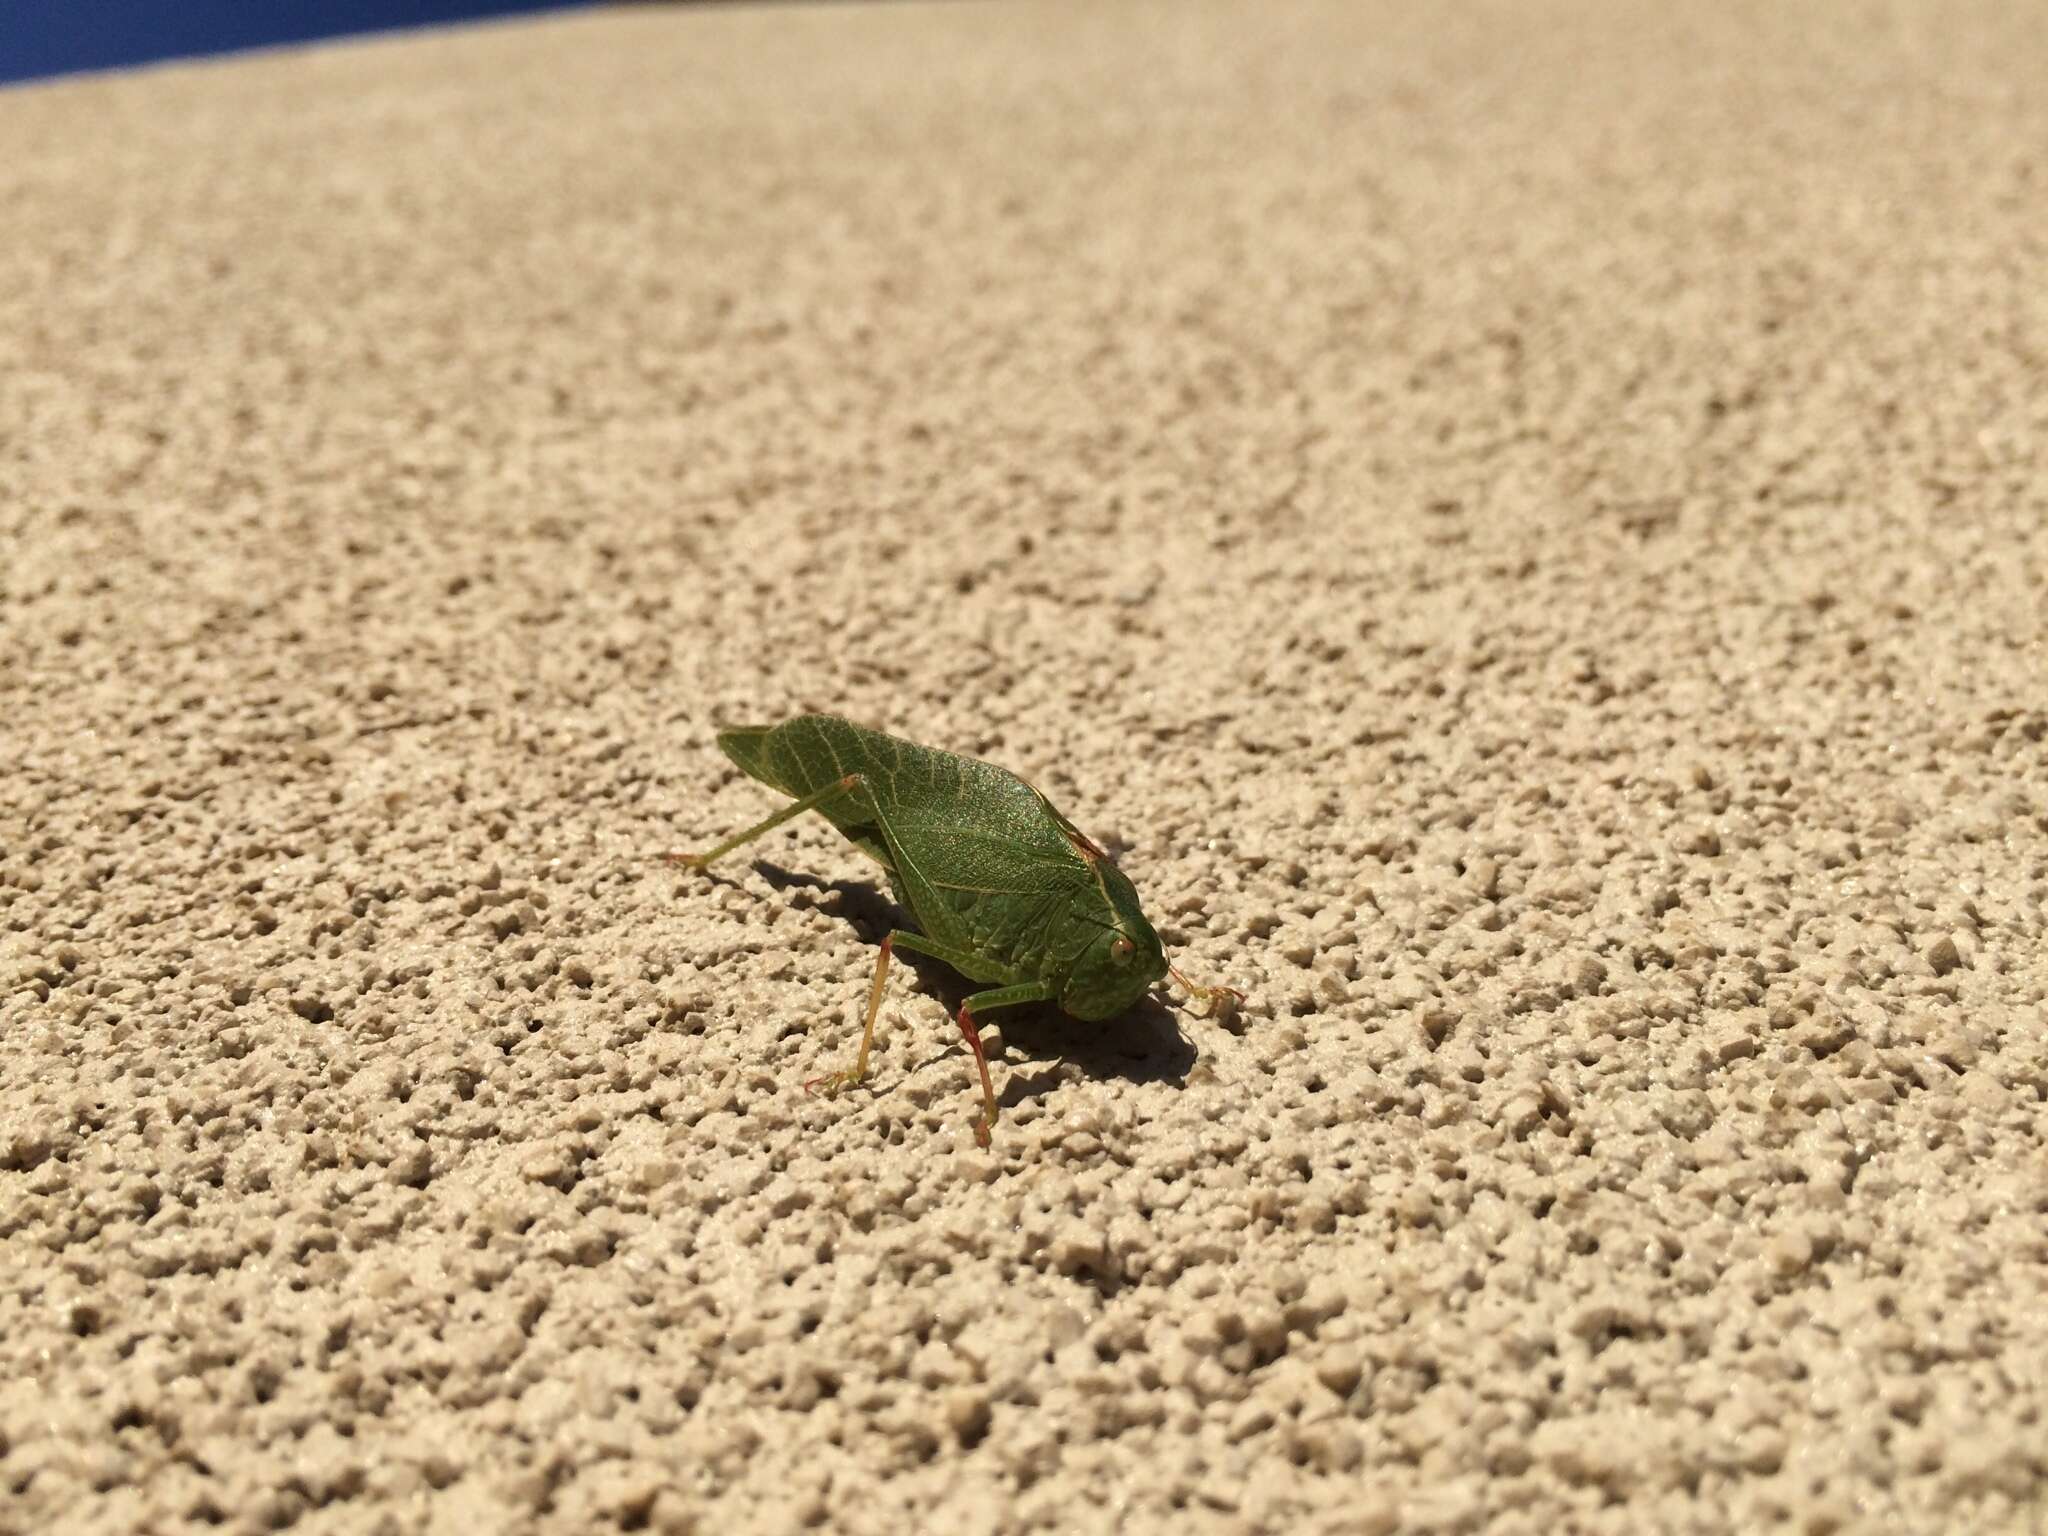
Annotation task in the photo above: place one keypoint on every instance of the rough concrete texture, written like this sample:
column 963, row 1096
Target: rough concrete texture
column 1523, row 529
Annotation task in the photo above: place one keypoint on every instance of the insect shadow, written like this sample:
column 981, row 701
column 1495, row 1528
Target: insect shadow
column 1142, row 1045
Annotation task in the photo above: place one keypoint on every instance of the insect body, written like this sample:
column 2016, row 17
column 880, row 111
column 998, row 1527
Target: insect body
column 1003, row 887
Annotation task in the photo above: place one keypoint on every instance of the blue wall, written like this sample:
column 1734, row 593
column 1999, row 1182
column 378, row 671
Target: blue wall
column 53, row 37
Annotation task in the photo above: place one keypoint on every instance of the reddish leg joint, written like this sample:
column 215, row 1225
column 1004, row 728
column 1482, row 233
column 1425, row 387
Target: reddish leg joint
column 988, row 1093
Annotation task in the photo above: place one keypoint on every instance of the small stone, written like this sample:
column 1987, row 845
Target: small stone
column 1252, row 1418
column 1335, row 1448
column 653, row 1172
column 1791, row 1252
column 1484, row 876
column 967, row 1415
column 1077, row 1249
column 1340, row 1370
column 1700, row 840
column 1733, row 1044
column 1368, row 1513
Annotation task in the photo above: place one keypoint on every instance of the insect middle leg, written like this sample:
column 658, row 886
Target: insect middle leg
column 847, row 1077
column 980, row 1002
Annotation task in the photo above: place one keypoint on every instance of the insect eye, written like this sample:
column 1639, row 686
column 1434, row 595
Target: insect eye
column 1120, row 948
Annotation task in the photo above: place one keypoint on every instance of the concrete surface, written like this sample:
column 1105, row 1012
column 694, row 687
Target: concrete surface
column 1521, row 527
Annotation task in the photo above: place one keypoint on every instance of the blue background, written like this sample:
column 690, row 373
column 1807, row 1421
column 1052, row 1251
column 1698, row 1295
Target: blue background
column 52, row 37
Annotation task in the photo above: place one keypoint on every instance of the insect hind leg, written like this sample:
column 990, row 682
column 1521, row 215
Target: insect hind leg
column 852, row 783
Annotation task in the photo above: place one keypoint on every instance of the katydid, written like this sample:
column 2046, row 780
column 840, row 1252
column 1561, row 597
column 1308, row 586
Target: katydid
column 1006, row 890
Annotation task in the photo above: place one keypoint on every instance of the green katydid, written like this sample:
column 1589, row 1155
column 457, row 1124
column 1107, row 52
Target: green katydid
column 1006, row 890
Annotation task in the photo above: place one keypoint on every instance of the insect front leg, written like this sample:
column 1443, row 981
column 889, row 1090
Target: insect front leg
column 1211, row 997
column 981, row 1002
